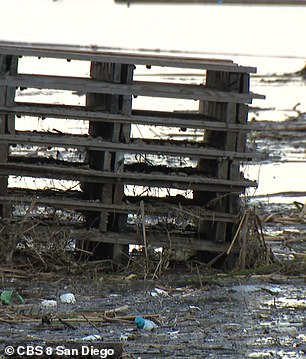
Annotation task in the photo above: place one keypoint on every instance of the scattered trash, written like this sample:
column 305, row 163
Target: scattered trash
column 48, row 304
column 193, row 308
column 67, row 298
column 11, row 297
column 124, row 337
column 173, row 335
column 157, row 292
column 145, row 324
column 92, row 337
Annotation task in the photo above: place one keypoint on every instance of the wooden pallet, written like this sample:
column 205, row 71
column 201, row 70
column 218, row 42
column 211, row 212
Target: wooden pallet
column 215, row 182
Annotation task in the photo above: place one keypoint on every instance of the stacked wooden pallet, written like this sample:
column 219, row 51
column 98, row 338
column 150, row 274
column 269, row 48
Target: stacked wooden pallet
column 216, row 181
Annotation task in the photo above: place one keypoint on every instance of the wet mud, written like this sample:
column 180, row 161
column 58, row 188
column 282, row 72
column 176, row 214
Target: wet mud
column 206, row 316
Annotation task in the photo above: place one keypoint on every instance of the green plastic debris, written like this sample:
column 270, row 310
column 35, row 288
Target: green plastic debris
column 10, row 296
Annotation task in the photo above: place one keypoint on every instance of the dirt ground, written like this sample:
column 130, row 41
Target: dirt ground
column 199, row 316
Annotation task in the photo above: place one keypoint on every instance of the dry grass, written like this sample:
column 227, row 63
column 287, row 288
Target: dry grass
column 40, row 246
column 253, row 249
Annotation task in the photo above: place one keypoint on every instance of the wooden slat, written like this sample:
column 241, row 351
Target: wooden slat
column 96, row 206
column 155, row 118
column 138, row 146
column 137, row 88
column 150, row 118
column 94, row 53
column 145, row 179
column 154, row 239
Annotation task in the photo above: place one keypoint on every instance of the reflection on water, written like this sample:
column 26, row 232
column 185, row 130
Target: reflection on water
column 276, row 178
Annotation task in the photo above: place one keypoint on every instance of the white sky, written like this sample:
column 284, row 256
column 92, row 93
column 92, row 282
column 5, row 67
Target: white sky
column 267, row 30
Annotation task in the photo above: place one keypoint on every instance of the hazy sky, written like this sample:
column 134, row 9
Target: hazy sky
column 218, row 28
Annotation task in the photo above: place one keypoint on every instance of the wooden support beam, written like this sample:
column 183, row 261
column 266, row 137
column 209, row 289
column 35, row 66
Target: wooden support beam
column 8, row 66
column 102, row 160
column 226, row 168
column 136, row 88
column 240, row 140
column 109, row 192
column 137, row 146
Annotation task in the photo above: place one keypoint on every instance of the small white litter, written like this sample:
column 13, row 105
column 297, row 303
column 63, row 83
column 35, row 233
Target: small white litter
column 123, row 337
column 91, row 337
column 48, row 304
column 67, row 298
column 157, row 292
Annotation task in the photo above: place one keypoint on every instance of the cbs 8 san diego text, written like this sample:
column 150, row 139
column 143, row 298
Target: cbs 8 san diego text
column 39, row 350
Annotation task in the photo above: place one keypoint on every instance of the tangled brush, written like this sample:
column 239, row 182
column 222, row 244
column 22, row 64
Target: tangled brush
column 253, row 249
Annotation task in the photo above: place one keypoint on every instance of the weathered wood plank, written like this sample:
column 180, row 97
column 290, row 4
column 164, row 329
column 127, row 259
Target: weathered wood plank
column 123, row 134
column 108, row 192
column 95, row 176
column 98, row 160
column 94, row 53
column 137, row 146
column 154, row 118
column 85, row 205
column 150, row 118
column 137, row 88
